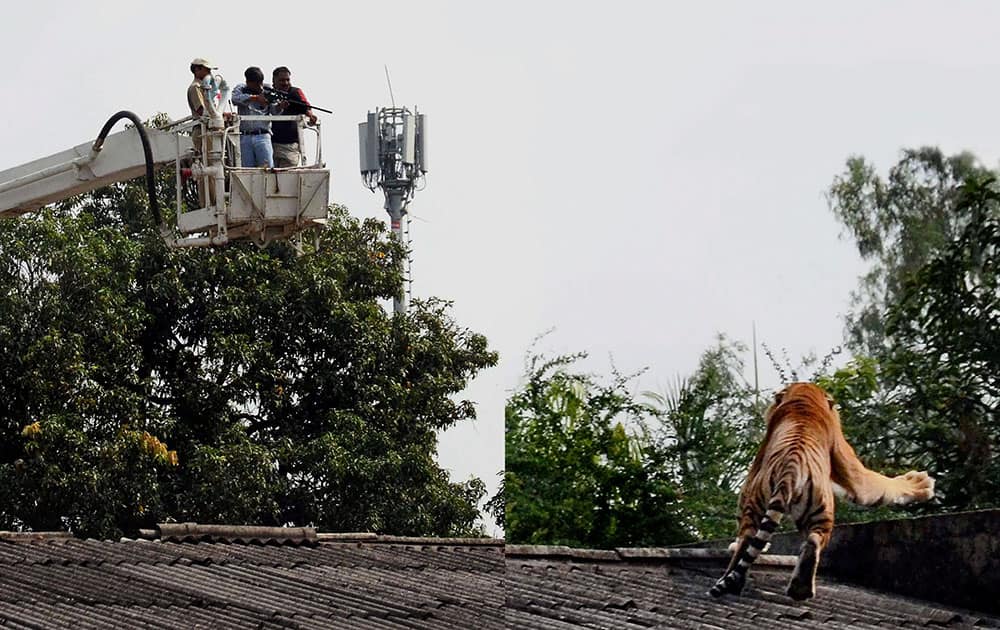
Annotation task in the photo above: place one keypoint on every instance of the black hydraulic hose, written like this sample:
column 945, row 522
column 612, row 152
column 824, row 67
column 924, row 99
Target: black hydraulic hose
column 147, row 151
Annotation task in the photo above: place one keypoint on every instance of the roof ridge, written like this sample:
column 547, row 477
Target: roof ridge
column 369, row 537
column 190, row 531
column 9, row 536
column 198, row 531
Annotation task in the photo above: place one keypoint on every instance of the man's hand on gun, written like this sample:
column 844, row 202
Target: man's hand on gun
column 277, row 96
column 282, row 105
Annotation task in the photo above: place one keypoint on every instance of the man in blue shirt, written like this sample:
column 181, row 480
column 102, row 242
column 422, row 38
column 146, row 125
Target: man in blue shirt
column 255, row 135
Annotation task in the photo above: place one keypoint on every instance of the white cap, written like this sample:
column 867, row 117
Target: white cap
column 199, row 61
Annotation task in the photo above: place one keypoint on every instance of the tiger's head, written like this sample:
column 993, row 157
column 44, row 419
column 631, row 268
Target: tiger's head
column 798, row 395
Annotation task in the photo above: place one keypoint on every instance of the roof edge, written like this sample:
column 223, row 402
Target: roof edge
column 630, row 554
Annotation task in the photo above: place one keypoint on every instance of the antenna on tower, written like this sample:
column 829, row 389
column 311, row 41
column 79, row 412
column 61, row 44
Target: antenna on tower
column 392, row 98
column 393, row 151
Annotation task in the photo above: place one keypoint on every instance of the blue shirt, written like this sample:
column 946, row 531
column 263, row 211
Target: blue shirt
column 246, row 107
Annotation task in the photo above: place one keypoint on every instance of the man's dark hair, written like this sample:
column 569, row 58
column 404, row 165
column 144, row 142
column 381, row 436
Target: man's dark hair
column 279, row 70
column 195, row 67
column 254, row 74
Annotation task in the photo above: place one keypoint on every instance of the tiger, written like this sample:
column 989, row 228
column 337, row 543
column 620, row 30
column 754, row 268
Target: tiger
column 802, row 464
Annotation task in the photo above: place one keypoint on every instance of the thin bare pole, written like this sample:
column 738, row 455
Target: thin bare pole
column 756, row 383
column 391, row 97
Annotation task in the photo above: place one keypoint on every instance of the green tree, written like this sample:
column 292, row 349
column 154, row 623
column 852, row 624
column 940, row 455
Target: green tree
column 581, row 469
column 497, row 504
column 241, row 385
column 711, row 424
column 898, row 223
column 945, row 359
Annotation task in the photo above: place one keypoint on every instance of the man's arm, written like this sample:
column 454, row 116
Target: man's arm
column 305, row 101
column 240, row 95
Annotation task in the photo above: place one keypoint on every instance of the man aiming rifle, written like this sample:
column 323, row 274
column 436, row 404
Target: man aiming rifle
column 289, row 101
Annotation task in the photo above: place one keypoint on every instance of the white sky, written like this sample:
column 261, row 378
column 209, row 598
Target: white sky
column 638, row 175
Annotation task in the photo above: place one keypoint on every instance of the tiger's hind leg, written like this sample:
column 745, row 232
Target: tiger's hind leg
column 803, row 583
column 732, row 581
column 749, row 547
column 819, row 525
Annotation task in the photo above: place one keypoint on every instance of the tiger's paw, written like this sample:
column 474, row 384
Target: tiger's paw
column 732, row 583
column 800, row 590
column 914, row 487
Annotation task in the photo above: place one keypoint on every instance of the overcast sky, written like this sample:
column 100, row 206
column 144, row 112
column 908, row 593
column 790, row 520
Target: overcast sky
column 638, row 175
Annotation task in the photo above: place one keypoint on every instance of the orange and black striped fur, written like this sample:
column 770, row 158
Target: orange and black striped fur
column 803, row 461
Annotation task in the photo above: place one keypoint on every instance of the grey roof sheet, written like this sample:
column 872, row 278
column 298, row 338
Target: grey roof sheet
column 59, row 583
column 559, row 591
column 417, row 583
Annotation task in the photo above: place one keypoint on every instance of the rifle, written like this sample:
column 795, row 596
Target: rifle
column 272, row 95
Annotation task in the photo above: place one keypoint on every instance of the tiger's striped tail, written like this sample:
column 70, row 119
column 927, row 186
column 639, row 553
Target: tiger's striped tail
column 749, row 550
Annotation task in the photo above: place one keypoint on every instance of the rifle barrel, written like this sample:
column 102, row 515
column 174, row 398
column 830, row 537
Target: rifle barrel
column 291, row 99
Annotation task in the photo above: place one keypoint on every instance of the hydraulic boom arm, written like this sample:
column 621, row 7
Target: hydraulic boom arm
column 81, row 169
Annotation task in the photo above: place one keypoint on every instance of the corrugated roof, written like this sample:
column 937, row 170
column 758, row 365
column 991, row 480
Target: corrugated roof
column 562, row 588
column 310, row 580
column 371, row 583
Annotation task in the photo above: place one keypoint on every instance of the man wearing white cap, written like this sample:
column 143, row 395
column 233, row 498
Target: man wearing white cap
column 200, row 68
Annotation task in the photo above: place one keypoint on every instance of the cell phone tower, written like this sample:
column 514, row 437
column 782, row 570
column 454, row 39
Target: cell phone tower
column 393, row 143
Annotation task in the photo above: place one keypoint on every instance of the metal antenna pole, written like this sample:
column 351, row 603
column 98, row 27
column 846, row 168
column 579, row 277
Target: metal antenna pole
column 756, row 383
column 395, row 201
column 409, row 258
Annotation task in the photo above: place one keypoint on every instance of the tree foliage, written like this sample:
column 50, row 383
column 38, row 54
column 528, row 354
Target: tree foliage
column 710, row 427
column 945, row 356
column 581, row 468
column 276, row 386
column 925, row 395
column 898, row 223
column 589, row 465
column 496, row 506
